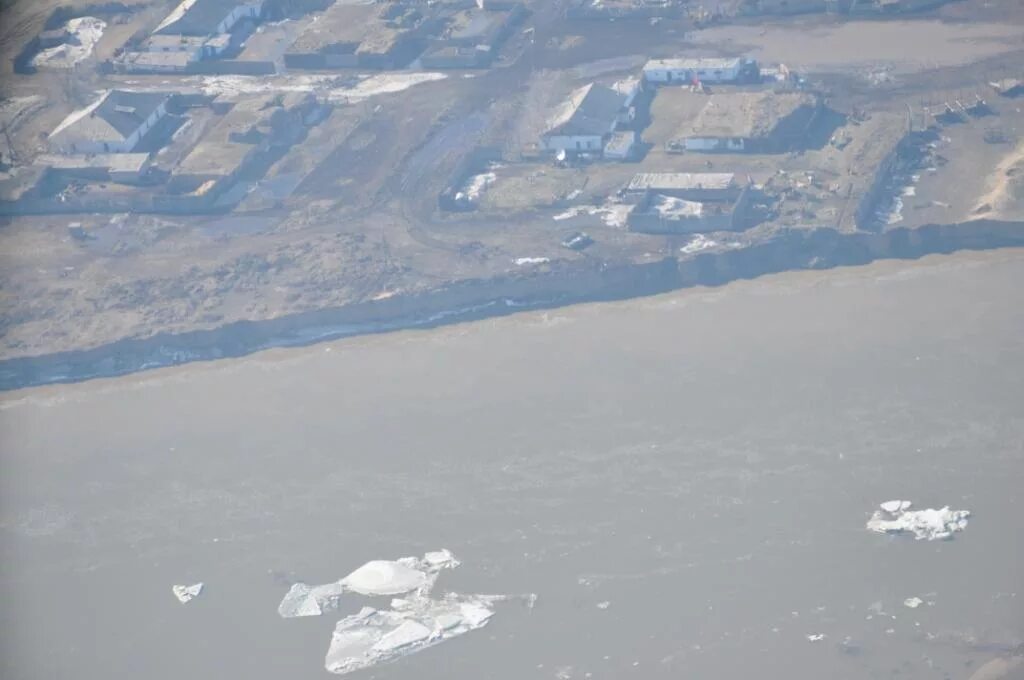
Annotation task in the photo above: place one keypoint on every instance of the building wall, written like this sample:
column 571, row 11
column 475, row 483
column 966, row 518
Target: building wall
column 573, row 142
column 662, row 75
column 249, row 9
column 126, row 145
column 714, row 144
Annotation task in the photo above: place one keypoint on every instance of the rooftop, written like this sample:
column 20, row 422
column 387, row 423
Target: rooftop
column 114, row 116
column 116, row 162
column 197, row 17
column 654, row 181
column 590, row 110
column 694, row 63
column 158, row 60
column 343, row 24
column 175, row 42
column 743, row 114
column 670, row 207
column 218, row 153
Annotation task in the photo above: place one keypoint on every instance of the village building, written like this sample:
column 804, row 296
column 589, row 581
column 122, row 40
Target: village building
column 691, row 186
column 706, row 70
column 244, row 137
column 610, row 10
column 586, row 121
column 208, row 17
column 473, row 37
column 658, row 213
column 388, row 35
column 122, row 168
column 115, row 123
column 752, row 122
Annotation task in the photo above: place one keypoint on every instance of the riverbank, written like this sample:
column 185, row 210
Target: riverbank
column 475, row 299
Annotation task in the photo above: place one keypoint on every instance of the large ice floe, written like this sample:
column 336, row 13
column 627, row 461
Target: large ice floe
column 412, row 623
column 895, row 517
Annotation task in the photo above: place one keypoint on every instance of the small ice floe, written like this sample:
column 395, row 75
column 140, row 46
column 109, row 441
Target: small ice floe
column 815, row 637
column 913, row 602
column 186, row 594
column 604, row 605
column 894, row 517
column 522, row 261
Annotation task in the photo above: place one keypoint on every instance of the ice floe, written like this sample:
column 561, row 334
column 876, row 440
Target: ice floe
column 913, row 602
column 186, row 594
column 415, row 621
column 894, row 517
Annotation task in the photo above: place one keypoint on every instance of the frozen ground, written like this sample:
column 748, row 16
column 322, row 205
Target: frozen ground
column 684, row 481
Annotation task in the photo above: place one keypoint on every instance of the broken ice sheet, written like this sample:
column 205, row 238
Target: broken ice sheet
column 896, row 517
column 414, row 622
column 186, row 594
column 376, row 636
column 377, row 577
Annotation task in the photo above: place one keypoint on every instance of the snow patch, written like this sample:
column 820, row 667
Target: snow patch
column 84, row 33
column 698, row 243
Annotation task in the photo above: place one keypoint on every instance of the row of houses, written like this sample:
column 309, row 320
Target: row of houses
column 597, row 119
column 193, row 32
column 120, row 153
column 392, row 34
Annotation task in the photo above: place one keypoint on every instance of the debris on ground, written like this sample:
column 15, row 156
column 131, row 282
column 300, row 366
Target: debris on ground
column 894, row 517
column 186, row 594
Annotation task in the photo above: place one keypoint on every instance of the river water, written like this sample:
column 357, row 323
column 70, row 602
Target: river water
column 703, row 462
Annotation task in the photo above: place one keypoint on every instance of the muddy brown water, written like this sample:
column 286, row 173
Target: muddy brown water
column 703, row 461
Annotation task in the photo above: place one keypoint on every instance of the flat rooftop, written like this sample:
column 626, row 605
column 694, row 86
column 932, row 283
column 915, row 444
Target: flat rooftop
column 653, row 181
column 731, row 114
column 217, row 154
column 115, row 162
column 360, row 28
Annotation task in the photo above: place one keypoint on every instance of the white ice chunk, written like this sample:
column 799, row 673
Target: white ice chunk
column 305, row 600
column 913, row 602
column 373, row 637
column 815, row 637
column 440, row 559
column 895, row 506
column 407, row 634
column 929, row 524
column 385, row 577
column 186, row 594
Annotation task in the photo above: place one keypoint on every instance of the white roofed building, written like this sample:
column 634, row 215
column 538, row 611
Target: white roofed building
column 707, row 70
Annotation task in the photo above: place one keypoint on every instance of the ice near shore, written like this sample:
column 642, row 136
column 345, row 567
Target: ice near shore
column 895, row 517
column 413, row 623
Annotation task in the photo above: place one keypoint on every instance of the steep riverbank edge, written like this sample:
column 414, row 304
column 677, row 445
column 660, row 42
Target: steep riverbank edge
column 473, row 299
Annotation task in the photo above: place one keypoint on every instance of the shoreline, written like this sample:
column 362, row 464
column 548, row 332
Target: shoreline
column 470, row 300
